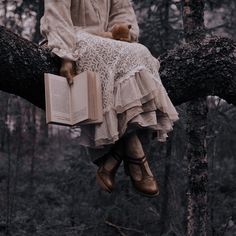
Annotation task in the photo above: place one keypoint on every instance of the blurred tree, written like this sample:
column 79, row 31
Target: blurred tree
column 160, row 23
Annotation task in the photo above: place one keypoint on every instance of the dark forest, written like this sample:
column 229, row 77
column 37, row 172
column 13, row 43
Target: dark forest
column 47, row 181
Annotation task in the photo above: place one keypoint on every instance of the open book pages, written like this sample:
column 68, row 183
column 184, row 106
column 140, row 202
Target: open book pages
column 80, row 103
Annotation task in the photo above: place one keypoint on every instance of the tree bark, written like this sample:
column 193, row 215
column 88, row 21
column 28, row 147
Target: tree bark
column 23, row 65
column 197, row 211
column 197, row 216
column 189, row 71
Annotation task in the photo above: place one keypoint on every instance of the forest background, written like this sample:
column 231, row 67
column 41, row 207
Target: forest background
column 47, row 182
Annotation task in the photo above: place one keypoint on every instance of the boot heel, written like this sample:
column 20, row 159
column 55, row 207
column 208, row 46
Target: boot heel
column 106, row 178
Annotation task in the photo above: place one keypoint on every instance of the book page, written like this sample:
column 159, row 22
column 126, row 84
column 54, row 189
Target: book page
column 59, row 99
column 79, row 98
column 95, row 99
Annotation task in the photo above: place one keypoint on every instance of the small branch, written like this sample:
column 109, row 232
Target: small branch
column 216, row 27
column 226, row 226
column 119, row 228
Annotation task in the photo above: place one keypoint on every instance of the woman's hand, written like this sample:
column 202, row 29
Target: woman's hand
column 68, row 70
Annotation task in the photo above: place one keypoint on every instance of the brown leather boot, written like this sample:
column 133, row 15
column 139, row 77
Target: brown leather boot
column 106, row 172
column 142, row 180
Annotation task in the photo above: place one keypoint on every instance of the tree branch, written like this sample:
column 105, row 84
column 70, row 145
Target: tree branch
column 22, row 66
column 190, row 71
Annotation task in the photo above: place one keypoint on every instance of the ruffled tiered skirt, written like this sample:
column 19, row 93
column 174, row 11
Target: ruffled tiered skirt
column 132, row 92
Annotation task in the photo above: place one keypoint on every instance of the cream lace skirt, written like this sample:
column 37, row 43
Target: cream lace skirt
column 132, row 92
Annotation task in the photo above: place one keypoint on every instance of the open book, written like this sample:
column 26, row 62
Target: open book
column 79, row 103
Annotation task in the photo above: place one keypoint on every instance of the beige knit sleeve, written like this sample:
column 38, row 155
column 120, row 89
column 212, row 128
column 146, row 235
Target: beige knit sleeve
column 56, row 25
column 122, row 12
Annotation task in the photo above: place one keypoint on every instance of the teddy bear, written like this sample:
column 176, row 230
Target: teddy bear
column 119, row 32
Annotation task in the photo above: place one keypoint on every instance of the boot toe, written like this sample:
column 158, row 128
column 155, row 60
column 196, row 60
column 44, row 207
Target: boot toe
column 148, row 187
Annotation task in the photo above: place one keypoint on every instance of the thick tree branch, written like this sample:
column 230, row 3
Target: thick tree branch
column 22, row 65
column 190, row 71
column 199, row 69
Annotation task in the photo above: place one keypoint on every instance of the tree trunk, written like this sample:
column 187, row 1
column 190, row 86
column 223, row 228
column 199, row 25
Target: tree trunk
column 164, row 216
column 32, row 132
column 5, row 12
column 3, row 121
column 8, row 187
column 37, row 34
column 18, row 159
column 193, row 18
column 197, row 215
column 189, row 71
column 197, row 169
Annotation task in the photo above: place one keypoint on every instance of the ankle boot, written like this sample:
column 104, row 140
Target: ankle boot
column 106, row 172
column 147, row 185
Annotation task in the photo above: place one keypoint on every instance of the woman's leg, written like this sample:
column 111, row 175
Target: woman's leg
column 137, row 167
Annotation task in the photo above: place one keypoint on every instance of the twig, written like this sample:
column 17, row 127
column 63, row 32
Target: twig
column 119, row 228
column 226, row 226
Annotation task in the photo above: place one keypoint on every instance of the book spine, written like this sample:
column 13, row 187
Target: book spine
column 99, row 100
column 91, row 94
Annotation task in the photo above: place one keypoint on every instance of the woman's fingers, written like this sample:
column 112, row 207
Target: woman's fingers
column 69, row 78
column 67, row 74
column 67, row 70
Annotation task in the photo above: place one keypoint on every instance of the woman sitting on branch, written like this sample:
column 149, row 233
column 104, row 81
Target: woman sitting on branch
column 134, row 99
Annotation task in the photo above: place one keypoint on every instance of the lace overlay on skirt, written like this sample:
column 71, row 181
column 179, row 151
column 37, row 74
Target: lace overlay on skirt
column 132, row 92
